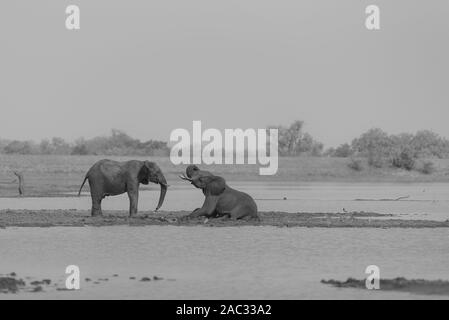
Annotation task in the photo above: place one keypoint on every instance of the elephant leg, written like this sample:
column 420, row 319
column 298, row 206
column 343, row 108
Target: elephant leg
column 208, row 209
column 238, row 213
column 96, row 194
column 196, row 213
column 96, row 206
column 133, row 201
column 201, row 213
column 196, row 210
column 215, row 214
column 243, row 213
column 223, row 216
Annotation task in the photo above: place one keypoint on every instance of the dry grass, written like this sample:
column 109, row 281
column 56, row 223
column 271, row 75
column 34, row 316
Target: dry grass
column 47, row 175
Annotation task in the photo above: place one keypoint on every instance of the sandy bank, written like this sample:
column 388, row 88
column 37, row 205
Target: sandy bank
column 52, row 218
column 417, row 286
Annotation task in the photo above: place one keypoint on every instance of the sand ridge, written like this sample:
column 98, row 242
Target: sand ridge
column 60, row 218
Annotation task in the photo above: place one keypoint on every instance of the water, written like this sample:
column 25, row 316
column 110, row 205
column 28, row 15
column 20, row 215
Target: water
column 235, row 262
column 428, row 201
column 222, row 263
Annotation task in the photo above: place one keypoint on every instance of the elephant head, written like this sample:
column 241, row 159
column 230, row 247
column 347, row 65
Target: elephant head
column 192, row 170
column 211, row 185
column 150, row 172
column 193, row 173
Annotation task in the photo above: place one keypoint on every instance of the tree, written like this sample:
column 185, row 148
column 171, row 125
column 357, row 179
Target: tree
column 376, row 145
column 343, row 151
column 405, row 160
column 373, row 142
column 59, row 146
column 426, row 143
column 80, row 149
column 18, row 147
column 292, row 141
column 45, row 147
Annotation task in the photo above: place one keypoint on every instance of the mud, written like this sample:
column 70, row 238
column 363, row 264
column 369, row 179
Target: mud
column 10, row 284
column 418, row 286
column 52, row 218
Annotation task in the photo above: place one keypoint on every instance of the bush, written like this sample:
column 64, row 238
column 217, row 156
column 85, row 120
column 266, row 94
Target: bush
column 80, row 149
column 118, row 143
column 19, row 147
column 404, row 160
column 355, row 164
column 343, row 151
column 373, row 142
column 427, row 168
column 375, row 161
column 293, row 141
column 423, row 144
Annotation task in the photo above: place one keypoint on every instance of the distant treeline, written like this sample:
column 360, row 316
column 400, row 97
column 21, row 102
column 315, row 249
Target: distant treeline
column 118, row 143
column 375, row 144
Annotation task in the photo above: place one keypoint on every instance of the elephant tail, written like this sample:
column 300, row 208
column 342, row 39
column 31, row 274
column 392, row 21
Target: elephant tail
column 79, row 192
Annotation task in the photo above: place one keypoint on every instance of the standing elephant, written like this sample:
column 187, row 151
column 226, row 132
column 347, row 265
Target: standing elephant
column 110, row 178
column 221, row 200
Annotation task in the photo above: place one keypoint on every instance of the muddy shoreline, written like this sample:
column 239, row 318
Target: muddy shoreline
column 80, row 218
column 12, row 284
column 416, row 286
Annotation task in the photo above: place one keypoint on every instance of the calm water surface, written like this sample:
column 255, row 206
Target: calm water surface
column 236, row 262
column 221, row 263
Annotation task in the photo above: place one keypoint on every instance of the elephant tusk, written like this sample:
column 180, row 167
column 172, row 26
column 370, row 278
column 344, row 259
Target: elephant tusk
column 183, row 177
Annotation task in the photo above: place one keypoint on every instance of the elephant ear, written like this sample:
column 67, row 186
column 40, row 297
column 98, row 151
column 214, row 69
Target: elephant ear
column 144, row 174
column 214, row 185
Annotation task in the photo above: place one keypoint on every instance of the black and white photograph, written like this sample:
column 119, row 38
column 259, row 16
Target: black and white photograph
column 239, row 151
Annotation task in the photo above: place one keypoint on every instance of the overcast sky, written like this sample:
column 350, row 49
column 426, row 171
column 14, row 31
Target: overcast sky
column 148, row 67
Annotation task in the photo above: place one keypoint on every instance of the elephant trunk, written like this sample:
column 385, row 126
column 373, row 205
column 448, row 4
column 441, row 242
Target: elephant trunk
column 164, row 187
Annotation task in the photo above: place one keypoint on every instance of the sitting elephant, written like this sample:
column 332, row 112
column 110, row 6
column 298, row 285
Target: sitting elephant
column 110, row 178
column 221, row 200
